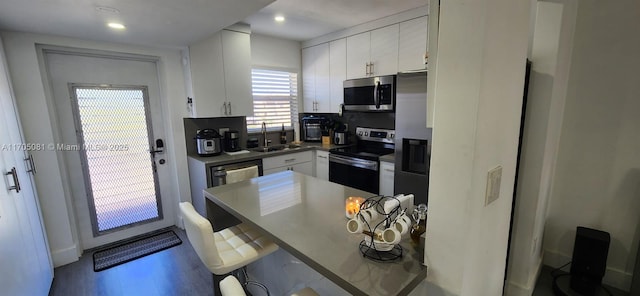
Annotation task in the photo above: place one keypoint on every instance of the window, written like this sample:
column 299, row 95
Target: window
column 275, row 99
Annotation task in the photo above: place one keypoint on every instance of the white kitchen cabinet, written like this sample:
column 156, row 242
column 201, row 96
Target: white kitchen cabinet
column 384, row 51
column 316, row 79
column 412, row 44
column 338, row 72
column 322, row 164
column 358, row 53
column 373, row 53
column 387, row 171
column 301, row 162
column 221, row 75
column 236, row 48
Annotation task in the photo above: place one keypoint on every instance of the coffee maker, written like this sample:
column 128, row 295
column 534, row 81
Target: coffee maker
column 231, row 141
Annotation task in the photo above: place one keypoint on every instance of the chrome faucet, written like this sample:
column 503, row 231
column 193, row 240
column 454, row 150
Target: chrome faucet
column 264, row 134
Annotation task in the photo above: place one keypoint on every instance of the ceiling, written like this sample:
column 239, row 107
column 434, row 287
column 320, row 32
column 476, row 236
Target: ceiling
column 170, row 23
column 308, row 19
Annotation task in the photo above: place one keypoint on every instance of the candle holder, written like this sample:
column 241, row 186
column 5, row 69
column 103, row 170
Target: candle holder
column 383, row 222
column 352, row 206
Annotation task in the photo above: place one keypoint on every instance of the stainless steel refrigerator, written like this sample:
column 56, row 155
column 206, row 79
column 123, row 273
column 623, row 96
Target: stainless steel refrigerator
column 413, row 138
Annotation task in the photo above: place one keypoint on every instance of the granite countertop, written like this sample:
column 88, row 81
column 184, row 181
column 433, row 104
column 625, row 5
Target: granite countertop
column 226, row 159
column 306, row 216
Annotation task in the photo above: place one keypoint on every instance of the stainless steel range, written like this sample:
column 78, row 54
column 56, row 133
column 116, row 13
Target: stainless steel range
column 358, row 166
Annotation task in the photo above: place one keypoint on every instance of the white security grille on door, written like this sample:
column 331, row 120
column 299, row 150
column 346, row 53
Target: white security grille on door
column 114, row 132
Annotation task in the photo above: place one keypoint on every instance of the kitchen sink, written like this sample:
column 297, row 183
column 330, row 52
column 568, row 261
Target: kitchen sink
column 276, row 148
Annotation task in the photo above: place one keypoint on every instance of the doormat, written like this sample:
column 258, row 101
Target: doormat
column 132, row 250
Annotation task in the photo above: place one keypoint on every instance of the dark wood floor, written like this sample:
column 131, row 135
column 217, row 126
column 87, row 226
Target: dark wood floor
column 175, row 271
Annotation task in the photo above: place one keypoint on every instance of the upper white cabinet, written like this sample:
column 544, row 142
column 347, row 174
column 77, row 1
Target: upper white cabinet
column 373, row 53
column 338, row 72
column 236, row 48
column 413, row 44
column 221, row 75
column 316, row 78
column 358, row 52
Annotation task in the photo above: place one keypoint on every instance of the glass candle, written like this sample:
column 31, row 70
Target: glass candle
column 352, row 206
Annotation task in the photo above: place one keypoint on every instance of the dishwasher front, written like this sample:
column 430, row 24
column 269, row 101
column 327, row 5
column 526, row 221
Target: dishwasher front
column 220, row 218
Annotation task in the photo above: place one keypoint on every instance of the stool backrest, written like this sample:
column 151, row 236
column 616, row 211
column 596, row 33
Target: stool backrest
column 200, row 235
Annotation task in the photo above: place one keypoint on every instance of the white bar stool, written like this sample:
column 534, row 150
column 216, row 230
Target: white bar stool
column 224, row 251
column 230, row 286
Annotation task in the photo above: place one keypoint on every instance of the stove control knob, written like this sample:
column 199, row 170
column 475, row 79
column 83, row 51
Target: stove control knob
column 391, row 135
column 366, row 134
column 359, row 133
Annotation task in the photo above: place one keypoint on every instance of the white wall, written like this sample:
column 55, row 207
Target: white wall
column 480, row 77
column 550, row 55
column 598, row 168
column 38, row 128
column 272, row 52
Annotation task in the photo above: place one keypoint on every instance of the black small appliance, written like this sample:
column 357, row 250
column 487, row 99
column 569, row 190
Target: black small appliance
column 231, row 141
column 312, row 128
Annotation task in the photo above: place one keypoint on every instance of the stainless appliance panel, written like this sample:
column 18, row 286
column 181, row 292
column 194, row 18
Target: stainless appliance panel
column 413, row 138
column 370, row 94
column 217, row 177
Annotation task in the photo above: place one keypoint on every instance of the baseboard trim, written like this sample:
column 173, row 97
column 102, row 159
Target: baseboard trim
column 613, row 277
column 516, row 289
column 65, row 256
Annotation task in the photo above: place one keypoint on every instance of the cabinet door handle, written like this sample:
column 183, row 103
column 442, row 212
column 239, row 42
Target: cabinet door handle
column 229, row 104
column 366, row 70
column 371, row 68
column 290, row 160
column 16, row 182
column 32, row 164
column 320, row 156
column 390, row 171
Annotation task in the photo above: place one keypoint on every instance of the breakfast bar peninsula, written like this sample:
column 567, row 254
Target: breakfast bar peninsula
column 306, row 217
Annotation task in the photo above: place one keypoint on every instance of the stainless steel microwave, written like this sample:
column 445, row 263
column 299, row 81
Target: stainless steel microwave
column 373, row 94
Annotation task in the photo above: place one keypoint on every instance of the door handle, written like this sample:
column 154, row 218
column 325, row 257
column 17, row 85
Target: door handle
column 16, row 182
column 159, row 148
column 32, row 164
column 229, row 104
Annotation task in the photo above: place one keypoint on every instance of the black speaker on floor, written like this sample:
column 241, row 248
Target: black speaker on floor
column 589, row 261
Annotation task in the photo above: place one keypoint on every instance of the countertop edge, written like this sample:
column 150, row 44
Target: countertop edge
column 224, row 159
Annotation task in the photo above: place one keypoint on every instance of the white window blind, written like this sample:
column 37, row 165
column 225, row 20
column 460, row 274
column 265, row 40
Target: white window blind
column 275, row 99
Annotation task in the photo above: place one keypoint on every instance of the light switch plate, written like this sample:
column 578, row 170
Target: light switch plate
column 493, row 185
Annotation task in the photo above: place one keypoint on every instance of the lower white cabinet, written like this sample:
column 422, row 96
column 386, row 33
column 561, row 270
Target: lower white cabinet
column 322, row 164
column 301, row 162
column 387, row 171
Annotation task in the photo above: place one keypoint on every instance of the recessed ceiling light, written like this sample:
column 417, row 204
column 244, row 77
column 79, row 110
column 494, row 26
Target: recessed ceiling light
column 117, row 26
column 279, row 18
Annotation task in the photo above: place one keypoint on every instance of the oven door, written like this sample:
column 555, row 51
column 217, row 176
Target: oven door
column 354, row 172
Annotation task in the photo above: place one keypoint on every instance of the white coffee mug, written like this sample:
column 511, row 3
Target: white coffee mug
column 354, row 225
column 402, row 224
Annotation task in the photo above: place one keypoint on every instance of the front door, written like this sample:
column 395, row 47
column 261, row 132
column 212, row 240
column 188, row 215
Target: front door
column 117, row 155
column 110, row 118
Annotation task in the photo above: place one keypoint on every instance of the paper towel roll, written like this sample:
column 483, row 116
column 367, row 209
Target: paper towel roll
column 296, row 132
